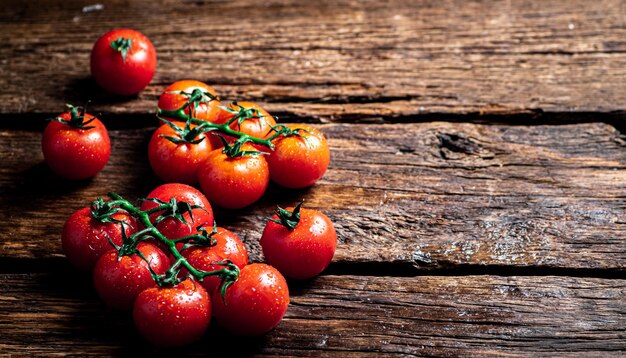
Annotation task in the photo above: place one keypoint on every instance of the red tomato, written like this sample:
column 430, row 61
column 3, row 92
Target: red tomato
column 303, row 252
column 173, row 316
column 170, row 227
column 178, row 162
column 173, row 99
column 298, row 161
column 84, row 239
column 76, row 153
column 228, row 247
column 255, row 303
column 234, row 183
column 258, row 126
column 123, row 61
column 119, row 280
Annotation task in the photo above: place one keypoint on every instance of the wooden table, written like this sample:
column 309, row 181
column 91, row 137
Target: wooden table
column 477, row 182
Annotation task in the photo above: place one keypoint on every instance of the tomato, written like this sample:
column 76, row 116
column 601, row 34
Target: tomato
column 173, row 316
column 301, row 252
column 255, row 303
column 258, row 126
column 229, row 247
column 123, row 61
column 178, row 94
column 171, row 227
column 299, row 160
column 118, row 280
column 178, row 162
column 234, row 183
column 76, row 145
column 84, row 239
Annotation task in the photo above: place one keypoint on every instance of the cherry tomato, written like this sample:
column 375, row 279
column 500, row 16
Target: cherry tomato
column 123, row 61
column 255, row 303
column 299, row 160
column 171, row 227
column 76, row 148
column 119, row 280
column 173, row 316
column 229, row 247
column 234, row 183
column 301, row 252
column 84, row 239
column 178, row 162
column 258, row 126
column 178, row 94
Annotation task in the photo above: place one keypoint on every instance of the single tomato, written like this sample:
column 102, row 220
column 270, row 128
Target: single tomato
column 234, row 182
column 255, row 303
column 171, row 227
column 173, row 316
column 300, row 243
column 253, row 120
column 204, row 103
column 85, row 239
column 75, row 144
column 176, row 151
column 228, row 247
column 123, row 61
column 300, row 158
column 119, row 279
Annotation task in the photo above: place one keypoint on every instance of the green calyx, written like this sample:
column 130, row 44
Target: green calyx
column 233, row 150
column 283, row 130
column 288, row 219
column 77, row 117
column 103, row 210
column 194, row 98
column 241, row 113
column 186, row 134
column 122, row 45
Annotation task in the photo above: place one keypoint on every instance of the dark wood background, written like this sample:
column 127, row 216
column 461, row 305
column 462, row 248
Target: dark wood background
column 477, row 180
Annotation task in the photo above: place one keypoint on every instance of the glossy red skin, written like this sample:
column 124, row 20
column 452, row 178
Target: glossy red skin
column 303, row 252
column 255, row 303
column 84, row 239
column 296, row 162
column 173, row 316
column 120, row 281
column 171, row 227
column 74, row 153
column 255, row 127
column 206, row 111
column 229, row 247
column 177, row 162
column 119, row 76
column 234, row 183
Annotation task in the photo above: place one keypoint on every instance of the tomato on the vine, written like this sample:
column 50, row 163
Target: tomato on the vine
column 300, row 243
column 176, row 151
column 123, row 61
column 234, row 182
column 170, row 226
column 75, row 144
column 85, row 239
column 205, row 104
column 173, row 316
column 228, row 247
column 300, row 158
column 119, row 279
column 255, row 303
column 254, row 120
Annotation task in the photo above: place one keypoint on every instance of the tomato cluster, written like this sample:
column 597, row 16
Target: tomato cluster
column 165, row 259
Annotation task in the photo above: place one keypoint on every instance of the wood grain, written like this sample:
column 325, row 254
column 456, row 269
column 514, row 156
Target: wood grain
column 47, row 314
column 333, row 60
column 419, row 196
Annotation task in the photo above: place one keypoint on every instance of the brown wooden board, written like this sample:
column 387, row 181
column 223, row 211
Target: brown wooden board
column 429, row 195
column 51, row 314
column 333, row 60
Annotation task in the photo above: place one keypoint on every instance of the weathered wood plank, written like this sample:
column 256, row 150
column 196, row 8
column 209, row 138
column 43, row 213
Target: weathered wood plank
column 427, row 195
column 333, row 60
column 50, row 314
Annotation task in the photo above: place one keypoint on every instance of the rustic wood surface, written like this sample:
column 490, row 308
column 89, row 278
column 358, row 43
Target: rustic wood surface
column 477, row 181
